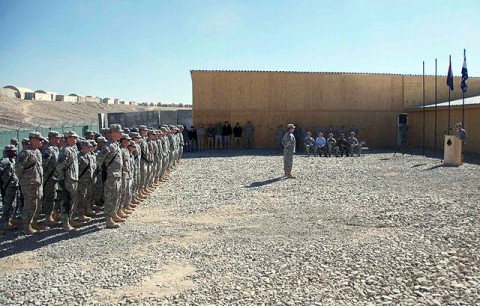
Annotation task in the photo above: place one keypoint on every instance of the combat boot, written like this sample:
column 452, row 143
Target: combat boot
column 29, row 230
column 89, row 212
column 117, row 219
column 49, row 220
column 126, row 211
column 84, row 218
column 38, row 227
column 9, row 226
column 111, row 224
column 56, row 216
column 289, row 175
column 135, row 201
column 75, row 223
column 121, row 214
column 67, row 226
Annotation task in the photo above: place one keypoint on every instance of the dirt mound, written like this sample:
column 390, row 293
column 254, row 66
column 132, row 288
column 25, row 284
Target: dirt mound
column 17, row 113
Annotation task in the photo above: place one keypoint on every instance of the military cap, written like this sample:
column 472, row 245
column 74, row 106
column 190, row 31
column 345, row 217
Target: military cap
column 101, row 139
column 125, row 136
column 10, row 148
column 308, row 133
column 163, row 129
column 116, row 128
column 53, row 134
column 142, row 128
column 134, row 130
column 61, row 135
column 103, row 129
column 70, row 134
column 152, row 132
column 352, row 133
column 93, row 142
column 88, row 132
column 126, row 130
column 331, row 134
column 108, row 130
column 85, row 143
column 134, row 135
column 36, row 135
column 132, row 144
column 14, row 140
column 25, row 140
column 290, row 126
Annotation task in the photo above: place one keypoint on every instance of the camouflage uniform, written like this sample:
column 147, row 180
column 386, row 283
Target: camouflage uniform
column 144, row 162
column 153, row 151
column 67, row 173
column 9, row 188
column 50, row 158
column 110, row 161
column 289, row 143
column 309, row 143
column 127, row 178
column 86, row 168
column 30, row 171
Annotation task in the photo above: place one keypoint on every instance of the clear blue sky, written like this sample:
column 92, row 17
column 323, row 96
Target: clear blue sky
column 144, row 50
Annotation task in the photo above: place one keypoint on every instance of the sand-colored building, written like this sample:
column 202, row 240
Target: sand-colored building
column 314, row 100
column 43, row 95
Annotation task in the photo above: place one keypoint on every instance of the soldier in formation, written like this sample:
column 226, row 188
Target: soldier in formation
column 72, row 179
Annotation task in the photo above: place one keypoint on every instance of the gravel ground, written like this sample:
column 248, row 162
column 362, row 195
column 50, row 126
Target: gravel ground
column 228, row 229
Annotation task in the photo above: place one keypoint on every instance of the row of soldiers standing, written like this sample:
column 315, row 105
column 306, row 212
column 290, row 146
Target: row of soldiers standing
column 71, row 179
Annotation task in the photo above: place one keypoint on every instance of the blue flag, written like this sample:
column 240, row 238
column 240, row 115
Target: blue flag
column 450, row 75
column 463, row 84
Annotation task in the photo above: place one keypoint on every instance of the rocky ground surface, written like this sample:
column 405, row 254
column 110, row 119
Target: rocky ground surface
column 228, row 229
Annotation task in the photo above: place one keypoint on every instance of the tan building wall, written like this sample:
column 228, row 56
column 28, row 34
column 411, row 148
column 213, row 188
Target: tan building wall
column 472, row 125
column 269, row 99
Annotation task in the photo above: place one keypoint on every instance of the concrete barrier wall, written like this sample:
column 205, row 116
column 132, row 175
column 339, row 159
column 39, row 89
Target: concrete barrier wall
column 269, row 99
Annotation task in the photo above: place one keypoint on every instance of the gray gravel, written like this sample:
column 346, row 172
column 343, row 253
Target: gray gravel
column 227, row 229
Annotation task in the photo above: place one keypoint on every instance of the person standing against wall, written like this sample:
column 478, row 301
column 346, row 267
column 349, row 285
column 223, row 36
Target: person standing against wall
column 237, row 135
column 289, row 144
column 249, row 135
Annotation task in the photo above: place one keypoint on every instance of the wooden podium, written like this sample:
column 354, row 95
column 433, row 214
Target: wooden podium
column 452, row 151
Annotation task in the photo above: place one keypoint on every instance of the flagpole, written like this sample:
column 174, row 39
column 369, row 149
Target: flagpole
column 464, row 84
column 435, row 129
column 423, row 134
column 449, row 90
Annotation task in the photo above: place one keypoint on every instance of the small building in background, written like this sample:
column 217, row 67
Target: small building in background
column 122, row 102
column 21, row 92
column 79, row 97
column 116, row 101
column 43, row 95
column 63, row 98
column 93, row 99
column 7, row 92
column 132, row 103
column 107, row 101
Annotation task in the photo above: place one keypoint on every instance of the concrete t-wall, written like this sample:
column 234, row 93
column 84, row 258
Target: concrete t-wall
column 268, row 99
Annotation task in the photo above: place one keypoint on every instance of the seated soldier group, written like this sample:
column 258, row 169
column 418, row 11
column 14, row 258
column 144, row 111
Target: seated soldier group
column 331, row 146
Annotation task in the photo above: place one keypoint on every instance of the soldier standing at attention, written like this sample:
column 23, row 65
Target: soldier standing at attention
column 218, row 136
column 288, row 143
column 110, row 160
column 127, row 177
column 30, row 173
column 50, row 156
column 86, row 169
column 67, row 173
column 8, row 186
column 210, row 136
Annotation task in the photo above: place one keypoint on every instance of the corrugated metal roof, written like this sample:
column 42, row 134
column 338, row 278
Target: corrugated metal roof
column 468, row 101
column 322, row 72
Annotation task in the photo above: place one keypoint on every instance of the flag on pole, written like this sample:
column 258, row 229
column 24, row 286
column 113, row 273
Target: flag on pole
column 463, row 84
column 450, row 75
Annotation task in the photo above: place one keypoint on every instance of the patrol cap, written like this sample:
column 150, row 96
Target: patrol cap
column 101, row 139
column 290, row 126
column 134, row 130
column 308, row 133
column 134, row 135
column 70, row 134
column 142, row 128
column 125, row 136
column 10, row 148
column 53, row 134
column 132, row 144
column 14, row 140
column 36, row 135
column 103, row 130
column 88, row 132
column 93, row 142
column 331, row 134
column 352, row 133
column 116, row 128
column 152, row 132
column 126, row 130
column 25, row 140
column 86, row 143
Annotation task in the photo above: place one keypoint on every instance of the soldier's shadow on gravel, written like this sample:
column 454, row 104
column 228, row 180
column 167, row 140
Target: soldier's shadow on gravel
column 265, row 182
column 16, row 242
